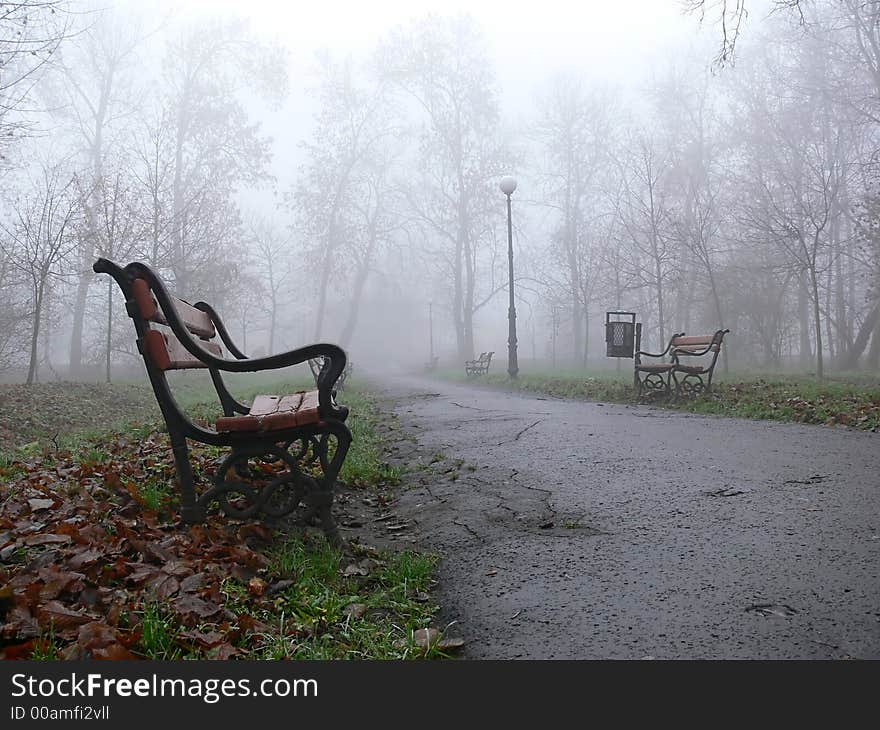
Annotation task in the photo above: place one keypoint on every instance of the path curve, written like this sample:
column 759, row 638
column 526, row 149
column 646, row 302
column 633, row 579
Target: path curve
column 588, row 530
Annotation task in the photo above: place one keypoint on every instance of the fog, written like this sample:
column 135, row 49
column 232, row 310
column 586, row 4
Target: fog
column 329, row 172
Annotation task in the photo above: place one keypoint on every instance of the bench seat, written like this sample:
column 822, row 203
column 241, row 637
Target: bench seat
column 693, row 369
column 663, row 367
column 275, row 413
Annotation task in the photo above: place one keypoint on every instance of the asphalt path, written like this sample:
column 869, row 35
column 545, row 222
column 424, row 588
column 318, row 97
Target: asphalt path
column 598, row 531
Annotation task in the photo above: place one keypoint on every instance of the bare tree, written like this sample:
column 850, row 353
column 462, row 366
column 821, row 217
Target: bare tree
column 30, row 33
column 575, row 132
column 352, row 124
column 271, row 250
column 41, row 236
column 729, row 16
column 646, row 218
column 441, row 65
column 94, row 90
column 213, row 145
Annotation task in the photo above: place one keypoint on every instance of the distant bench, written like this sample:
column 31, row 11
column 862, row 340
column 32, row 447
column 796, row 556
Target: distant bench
column 686, row 379
column 480, row 366
column 316, row 364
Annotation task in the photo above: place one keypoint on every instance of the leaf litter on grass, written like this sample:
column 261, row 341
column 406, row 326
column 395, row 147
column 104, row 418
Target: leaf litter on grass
column 89, row 568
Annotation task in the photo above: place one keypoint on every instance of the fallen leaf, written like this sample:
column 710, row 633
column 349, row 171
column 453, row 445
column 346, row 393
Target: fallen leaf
column 207, row 639
column 192, row 583
column 41, row 504
column 280, row 585
column 449, row 644
column 425, row 638
column 163, row 586
column 256, row 586
column 33, row 540
column 96, row 635
column 224, row 652
column 61, row 618
column 114, row 652
column 362, row 567
column 189, row 606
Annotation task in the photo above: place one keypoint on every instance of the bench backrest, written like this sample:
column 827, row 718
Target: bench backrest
column 160, row 344
column 488, row 356
column 698, row 344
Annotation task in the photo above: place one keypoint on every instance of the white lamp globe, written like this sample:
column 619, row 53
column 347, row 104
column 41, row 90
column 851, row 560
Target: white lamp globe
column 507, row 184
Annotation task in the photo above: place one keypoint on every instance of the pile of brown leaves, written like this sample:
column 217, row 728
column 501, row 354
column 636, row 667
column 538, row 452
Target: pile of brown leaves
column 81, row 555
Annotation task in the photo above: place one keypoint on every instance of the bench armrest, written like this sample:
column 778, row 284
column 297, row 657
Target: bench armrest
column 334, row 363
column 652, row 354
column 668, row 347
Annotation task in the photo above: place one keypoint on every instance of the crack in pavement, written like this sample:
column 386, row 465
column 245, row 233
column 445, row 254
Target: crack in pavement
column 520, row 433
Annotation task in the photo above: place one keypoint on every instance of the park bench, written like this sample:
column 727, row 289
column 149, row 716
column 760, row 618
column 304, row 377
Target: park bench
column 686, row 379
column 480, row 366
column 285, row 450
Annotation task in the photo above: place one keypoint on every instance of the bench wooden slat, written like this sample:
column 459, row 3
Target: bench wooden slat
column 695, row 340
column 196, row 321
column 274, row 413
column 168, row 353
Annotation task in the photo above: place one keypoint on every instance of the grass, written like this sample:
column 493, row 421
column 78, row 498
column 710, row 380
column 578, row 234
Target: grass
column 848, row 399
column 331, row 613
column 159, row 634
column 310, row 600
column 323, row 611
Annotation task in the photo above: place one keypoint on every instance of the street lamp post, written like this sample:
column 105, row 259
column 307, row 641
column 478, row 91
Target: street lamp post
column 431, row 332
column 508, row 185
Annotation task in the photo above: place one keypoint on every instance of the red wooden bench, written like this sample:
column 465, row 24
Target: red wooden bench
column 686, row 379
column 285, row 450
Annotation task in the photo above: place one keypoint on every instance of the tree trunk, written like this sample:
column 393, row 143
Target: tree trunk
column 354, row 306
column 35, row 332
column 273, row 315
column 586, row 336
column 79, row 311
column 806, row 350
column 874, row 352
column 322, row 293
column 717, row 300
column 867, row 329
column 818, row 324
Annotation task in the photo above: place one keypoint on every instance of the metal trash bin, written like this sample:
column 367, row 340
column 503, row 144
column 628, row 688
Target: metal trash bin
column 620, row 334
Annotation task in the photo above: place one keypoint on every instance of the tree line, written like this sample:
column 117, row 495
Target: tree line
column 745, row 197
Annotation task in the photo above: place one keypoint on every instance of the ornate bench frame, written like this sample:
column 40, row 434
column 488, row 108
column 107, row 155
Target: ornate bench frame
column 653, row 377
column 266, row 471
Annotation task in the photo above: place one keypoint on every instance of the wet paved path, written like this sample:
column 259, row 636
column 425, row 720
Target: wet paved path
column 582, row 530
